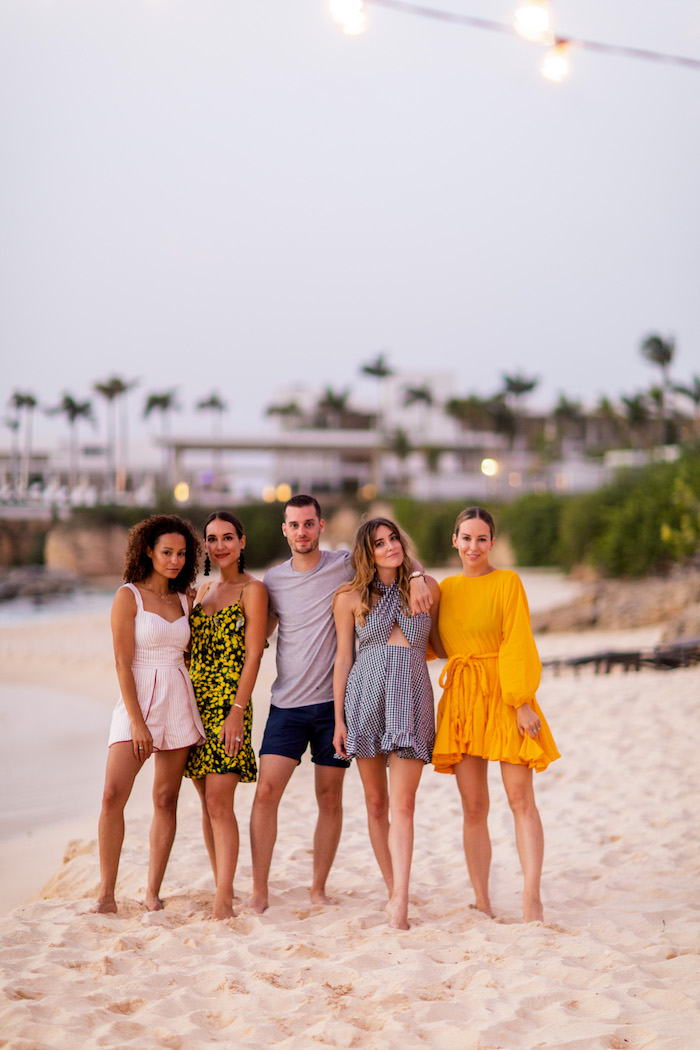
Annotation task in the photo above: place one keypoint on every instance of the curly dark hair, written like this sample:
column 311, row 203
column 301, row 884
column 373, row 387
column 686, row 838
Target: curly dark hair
column 144, row 535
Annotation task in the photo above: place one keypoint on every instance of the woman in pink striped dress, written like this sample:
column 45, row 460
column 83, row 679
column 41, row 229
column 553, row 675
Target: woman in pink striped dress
column 157, row 711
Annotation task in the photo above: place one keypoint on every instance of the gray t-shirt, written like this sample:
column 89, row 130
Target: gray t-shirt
column 306, row 640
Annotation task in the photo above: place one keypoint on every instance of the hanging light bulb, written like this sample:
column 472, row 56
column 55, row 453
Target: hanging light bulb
column 532, row 21
column 555, row 65
column 349, row 15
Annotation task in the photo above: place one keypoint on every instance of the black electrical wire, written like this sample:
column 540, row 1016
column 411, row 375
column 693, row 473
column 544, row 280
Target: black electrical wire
column 504, row 27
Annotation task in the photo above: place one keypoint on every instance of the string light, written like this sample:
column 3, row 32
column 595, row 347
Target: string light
column 532, row 22
column 355, row 17
column 349, row 15
column 555, row 64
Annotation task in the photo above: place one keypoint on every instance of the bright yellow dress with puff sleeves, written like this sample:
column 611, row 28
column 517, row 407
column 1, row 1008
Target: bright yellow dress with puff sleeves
column 493, row 668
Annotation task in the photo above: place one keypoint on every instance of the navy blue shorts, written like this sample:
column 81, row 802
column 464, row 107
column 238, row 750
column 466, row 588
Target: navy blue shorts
column 290, row 730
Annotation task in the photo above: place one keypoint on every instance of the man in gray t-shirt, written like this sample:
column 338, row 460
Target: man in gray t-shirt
column 301, row 711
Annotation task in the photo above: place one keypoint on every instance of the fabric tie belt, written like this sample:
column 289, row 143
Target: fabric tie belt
column 458, row 665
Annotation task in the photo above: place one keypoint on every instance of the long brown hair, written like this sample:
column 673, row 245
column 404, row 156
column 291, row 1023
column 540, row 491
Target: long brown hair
column 362, row 561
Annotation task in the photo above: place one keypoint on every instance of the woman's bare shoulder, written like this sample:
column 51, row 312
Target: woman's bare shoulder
column 346, row 597
column 125, row 599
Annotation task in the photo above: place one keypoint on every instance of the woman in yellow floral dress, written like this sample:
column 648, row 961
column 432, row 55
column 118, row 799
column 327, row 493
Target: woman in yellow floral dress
column 228, row 626
column 488, row 709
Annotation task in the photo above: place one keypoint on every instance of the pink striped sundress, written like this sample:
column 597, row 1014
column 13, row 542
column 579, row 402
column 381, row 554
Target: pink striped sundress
column 163, row 685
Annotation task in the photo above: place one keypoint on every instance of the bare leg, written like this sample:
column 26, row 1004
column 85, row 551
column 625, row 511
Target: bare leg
column 404, row 778
column 120, row 774
column 219, row 792
column 529, row 836
column 374, row 781
column 275, row 773
column 208, row 834
column 166, row 788
column 329, row 796
column 471, row 775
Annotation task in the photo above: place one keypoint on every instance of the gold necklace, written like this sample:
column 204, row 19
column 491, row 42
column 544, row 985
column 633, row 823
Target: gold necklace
column 165, row 597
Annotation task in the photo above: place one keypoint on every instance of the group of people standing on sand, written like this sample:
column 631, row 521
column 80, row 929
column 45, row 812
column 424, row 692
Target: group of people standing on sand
column 354, row 630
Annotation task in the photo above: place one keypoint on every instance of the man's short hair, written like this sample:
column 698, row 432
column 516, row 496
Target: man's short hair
column 302, row 500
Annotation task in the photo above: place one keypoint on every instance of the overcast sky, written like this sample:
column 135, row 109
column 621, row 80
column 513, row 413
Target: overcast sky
column 218, row 195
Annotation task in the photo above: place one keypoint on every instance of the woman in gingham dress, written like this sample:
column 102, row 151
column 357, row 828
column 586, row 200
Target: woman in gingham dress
column 384, row 713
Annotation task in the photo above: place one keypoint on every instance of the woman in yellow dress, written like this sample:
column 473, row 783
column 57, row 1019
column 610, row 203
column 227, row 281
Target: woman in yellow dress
column 488, row 709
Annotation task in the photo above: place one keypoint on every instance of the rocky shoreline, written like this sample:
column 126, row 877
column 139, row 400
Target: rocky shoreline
column 673, row 600
column 38, row 582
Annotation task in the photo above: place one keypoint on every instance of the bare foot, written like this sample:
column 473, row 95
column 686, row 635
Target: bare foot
column 398, row 915
column 104, row 906
column 483, row 904
column 153, row 902
column 259, row 902
column 222, row 909
column 318, row 896
column 532, row 910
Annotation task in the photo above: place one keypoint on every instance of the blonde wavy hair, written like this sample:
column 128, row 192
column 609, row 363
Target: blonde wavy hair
column 362, row 561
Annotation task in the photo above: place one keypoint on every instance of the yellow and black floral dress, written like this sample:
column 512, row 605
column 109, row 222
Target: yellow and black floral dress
column 218, row 655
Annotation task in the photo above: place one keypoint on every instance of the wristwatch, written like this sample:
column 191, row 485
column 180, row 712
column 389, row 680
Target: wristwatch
column 416, row 574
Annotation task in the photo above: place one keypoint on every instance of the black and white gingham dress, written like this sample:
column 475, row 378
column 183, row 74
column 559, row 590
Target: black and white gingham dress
column 389, row 698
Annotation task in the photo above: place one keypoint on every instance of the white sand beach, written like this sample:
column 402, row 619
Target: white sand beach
column 615, row 964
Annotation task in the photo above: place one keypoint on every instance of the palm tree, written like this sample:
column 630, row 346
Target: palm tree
column 568, row 417
column 25, row 403
column 73, row 411
column 12, row 423
column 607, row 422
column 331, row 406
column 419, row 395
column 514, row 390
column 659, row 352
column 400, row 445
column 517, row 386
column 637, row 416
column 380, row 370
column 216, row 406
column 505, row 419
column 164, row 403
column 472, row 412
column 692, row 392
column 112, row 390
column 289, row 413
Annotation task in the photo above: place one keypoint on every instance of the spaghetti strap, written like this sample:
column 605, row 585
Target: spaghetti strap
column 206, row 592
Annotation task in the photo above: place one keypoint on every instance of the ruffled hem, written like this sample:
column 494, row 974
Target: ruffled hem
column 497, row 741
column 405, row 745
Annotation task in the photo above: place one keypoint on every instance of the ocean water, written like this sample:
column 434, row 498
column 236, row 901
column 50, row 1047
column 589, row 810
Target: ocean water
column 79, row 603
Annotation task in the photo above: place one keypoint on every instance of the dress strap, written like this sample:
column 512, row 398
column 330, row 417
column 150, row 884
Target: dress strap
column 199, row 603
column 137, row 594
column 183, row 603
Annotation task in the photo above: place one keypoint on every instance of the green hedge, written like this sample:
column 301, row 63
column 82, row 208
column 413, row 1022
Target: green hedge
column 639, row 524
column 533, row 526
column 262, row 522
column 628, row 528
